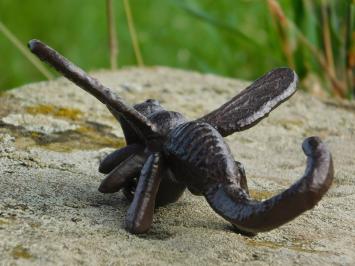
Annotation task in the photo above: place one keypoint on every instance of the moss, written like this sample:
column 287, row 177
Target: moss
column 69, row 113
column 69, row 141
column 19, row 252
column 35, row 134
column 85, row 137
column 261, row 194
column 89, row 136
column 3, row 222
column 106, row 140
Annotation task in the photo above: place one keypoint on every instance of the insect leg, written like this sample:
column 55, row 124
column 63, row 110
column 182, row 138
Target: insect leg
column 169, row 190
column 140, row 214
column 115, row 158
column 126, row 170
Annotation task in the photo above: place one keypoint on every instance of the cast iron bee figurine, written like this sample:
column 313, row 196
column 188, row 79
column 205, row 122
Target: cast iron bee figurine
column 165, row 153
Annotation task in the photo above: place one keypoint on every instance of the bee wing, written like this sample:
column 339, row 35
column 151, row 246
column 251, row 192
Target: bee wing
column 254, row 103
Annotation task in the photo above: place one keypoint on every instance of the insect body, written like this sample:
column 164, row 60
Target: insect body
column 165, row 153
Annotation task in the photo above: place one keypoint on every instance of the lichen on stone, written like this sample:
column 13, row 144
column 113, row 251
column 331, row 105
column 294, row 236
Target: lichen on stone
column 55, row 111
column 20, row 252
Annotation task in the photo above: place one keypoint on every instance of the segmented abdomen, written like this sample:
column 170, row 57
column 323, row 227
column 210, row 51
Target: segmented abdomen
column 197, row 153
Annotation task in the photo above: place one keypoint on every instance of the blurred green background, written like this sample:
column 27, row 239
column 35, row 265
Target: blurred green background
column 241, row 39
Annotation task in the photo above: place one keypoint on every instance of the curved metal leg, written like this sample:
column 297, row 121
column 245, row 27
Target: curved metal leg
column 140, row 214
column 121, row 175
column 115, row 158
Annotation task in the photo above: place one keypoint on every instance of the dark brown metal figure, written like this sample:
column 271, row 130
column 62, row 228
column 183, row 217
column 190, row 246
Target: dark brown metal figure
column 165, row 153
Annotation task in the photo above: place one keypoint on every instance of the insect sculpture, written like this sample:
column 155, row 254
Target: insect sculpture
column 165, row 153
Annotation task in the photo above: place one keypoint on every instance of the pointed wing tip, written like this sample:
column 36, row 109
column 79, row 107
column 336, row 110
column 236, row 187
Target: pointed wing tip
column 40, row 49
column 288, row 81
column 294, row 84
column 254, row 103
column 288, row 74
column 280, row 84
column 34, row 44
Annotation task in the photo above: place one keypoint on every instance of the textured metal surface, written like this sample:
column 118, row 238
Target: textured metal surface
column 165, row 154
column 115, row 158
column 91, row 85
column 198, row 156
column 123, row 172
column 140, row 214
column 132, row 135
column 232, row 203
column 254, row 103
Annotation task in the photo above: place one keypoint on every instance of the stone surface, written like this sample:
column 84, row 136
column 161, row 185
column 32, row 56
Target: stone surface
column 53, row 135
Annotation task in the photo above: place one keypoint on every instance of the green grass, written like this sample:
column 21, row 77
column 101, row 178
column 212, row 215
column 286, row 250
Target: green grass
column 238, row 39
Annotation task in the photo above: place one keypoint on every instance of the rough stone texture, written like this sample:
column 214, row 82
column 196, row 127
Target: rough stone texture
column 52, row 136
